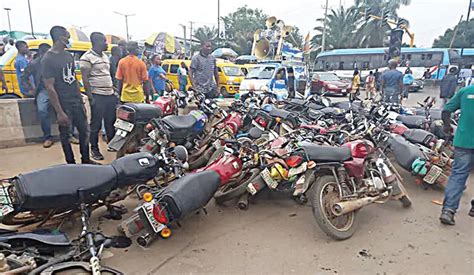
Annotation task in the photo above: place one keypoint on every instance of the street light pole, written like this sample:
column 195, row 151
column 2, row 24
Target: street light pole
column 323, row 42
column 31, row 20
column 467, row 21
column 8, row 16
column 126, row 21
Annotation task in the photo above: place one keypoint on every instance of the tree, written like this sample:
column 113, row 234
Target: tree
column 341, row 29
column 205, row 33
column 240, row 27
column 373, row 32
column 464, row 37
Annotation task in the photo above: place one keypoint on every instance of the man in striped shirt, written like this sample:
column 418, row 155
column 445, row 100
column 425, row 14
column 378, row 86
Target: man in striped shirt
column 95, row 68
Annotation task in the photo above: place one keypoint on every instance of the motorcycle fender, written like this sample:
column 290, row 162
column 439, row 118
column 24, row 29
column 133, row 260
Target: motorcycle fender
column 118, row 141
column 309, row 178
column 54, row 239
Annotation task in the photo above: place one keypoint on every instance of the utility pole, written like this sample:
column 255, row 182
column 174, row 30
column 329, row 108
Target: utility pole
column 9, row 24
column 191, row 38
column 185, row 39
column 323, row 43
column 455, row 32
column 31, row 20
column 467, row 21
column 218, row 18
column 126, row 22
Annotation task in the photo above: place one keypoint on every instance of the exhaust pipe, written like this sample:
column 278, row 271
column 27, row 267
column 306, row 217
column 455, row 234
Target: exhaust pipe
column 345, row 207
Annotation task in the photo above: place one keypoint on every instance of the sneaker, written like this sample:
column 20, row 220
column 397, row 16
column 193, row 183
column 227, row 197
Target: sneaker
column 95, row 154
column 447, row 217
column 89, row 161
column 73, row 140
column 47, row 143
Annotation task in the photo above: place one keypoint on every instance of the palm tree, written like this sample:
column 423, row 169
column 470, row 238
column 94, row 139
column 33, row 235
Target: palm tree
column 373, row 31
column 341, row 29
column 205, row 33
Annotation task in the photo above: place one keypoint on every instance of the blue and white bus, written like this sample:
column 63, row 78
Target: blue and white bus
column 437, row 59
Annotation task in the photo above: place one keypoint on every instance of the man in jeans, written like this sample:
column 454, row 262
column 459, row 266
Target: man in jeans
column 60, row 80
column 38, row 89
column 392, row 83
column 95, row 69
column 448, row 85
column 464, row 151
column 20, row 64
column 203, row 72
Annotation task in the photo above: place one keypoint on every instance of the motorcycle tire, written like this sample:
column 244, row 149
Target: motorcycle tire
column 321, row 210
column 235, row 189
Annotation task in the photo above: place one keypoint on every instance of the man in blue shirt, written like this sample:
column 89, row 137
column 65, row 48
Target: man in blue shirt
column 392, row 83
column 20, row 64
column 157, row 76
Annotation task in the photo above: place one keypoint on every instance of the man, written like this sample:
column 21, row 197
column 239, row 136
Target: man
column 447, row 86
column 132, row 76
column 377, row 80
column 95, row 69
column 116, row 55
column 427, row 74
column 20, row 64
column 408, row 80
column 59, row 77
column 2, row 48
column 370, row 86
column 33, row 70
column 203, row 71
column 4, row 83
column 392, row 83
column 157, row 76
column 122, row 44
column 464, row 151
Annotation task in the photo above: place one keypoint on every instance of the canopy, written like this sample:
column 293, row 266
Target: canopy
column 224, row 52
column 113, row 39
column 163, row 43
column 78, row 35
column 19, row 35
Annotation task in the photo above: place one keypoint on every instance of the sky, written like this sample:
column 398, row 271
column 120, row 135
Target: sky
column 428, row 18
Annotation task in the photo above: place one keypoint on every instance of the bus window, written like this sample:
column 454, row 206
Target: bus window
column 174, row 69
column 341, row 65
column 429, row 56
column 165, row 67
column 408, row 56
column 423, row 56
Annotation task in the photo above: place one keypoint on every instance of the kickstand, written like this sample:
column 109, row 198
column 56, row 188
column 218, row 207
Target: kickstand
column 114, row 212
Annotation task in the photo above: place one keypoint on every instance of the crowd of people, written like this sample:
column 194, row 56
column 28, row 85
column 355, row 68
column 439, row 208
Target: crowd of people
column 50, row 77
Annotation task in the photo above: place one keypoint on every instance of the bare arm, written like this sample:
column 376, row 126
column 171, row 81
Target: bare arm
column 190, row 74
column 26, row 79
column 216, row 75
column 86, row 71
column 63, row 120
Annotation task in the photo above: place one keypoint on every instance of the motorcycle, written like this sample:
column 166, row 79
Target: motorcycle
column 172, row 100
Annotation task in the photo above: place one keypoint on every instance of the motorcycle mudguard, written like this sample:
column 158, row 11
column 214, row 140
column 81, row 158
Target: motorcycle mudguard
column 117, row 142
column 77, row 268
column 49, row 238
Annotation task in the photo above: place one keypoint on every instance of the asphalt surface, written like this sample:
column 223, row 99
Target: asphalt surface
column 277, row 236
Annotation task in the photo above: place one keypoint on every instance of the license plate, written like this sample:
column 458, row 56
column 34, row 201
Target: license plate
column 433, row 174
column 297, row 170
column 217, row 144
column 267, row 178
column 5, row 202
column 148, row 210
column 152, row 134
column 251, row 189
column 123, row 125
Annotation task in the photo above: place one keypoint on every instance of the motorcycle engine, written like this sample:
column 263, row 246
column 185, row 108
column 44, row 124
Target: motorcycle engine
column 375, row 184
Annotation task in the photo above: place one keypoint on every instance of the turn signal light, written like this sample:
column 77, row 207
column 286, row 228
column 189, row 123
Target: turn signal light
column 148, row 197
column 165, row 233
column 294, row 161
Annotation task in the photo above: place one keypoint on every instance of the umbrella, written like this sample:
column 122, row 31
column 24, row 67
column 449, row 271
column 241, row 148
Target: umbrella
column 78, row 35
column 113, row 39
column 221, row 52
column 163, row 43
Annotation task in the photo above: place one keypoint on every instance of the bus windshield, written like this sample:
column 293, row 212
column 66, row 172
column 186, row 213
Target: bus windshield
column 262, row 72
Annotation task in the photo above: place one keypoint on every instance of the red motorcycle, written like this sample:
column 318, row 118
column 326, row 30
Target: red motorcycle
column 172, row 100
column 163, row 206
column 344, row 179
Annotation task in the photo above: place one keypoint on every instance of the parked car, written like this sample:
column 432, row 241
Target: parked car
column 330, row 83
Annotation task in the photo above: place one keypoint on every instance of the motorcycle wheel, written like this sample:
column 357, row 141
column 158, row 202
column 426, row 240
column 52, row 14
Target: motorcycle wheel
column 132, row 142
column 325, row 194
column 235, row 189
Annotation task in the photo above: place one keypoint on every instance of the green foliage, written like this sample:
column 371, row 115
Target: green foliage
column 464, row 37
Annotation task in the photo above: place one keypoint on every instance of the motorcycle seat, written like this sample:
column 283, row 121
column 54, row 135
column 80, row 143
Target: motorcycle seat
column 190, row 193
column 419, row 136
column 315, row 106
column 59, row 186
column 296, row 101
column 412, row 121
column 143, row 112
column 321, row 153
column 405, row 152
column 275, row 112
column 180, row 123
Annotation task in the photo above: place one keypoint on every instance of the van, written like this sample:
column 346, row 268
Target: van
column 230, row 75
column 292, row 78
column 7, row 64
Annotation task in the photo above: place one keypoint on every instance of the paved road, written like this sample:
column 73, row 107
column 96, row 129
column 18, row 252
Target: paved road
column 277, row 236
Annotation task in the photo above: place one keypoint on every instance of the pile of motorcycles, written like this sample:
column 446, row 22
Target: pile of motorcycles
column 335, row 156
